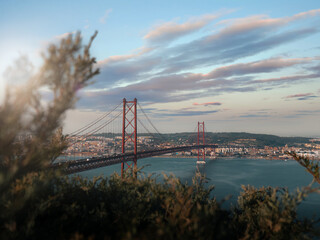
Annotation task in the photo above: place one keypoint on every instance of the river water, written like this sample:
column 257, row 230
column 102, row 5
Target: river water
column 228, row 174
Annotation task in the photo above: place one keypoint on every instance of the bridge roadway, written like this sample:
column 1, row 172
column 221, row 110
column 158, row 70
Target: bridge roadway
column 97, row 162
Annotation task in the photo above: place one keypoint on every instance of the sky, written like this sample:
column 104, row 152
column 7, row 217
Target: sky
column 239, row 66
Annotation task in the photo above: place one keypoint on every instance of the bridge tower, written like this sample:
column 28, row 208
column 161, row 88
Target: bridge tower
column 201, row 156
column 129, row 132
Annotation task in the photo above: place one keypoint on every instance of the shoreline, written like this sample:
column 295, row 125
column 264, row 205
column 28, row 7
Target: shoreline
column 227, row 157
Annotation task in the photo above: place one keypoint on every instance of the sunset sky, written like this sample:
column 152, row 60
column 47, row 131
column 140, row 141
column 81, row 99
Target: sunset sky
column 240, row 66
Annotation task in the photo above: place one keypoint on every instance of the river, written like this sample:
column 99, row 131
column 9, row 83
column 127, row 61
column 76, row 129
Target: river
column 228, row 174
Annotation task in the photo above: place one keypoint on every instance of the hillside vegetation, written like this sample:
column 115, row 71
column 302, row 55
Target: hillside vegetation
column 227, row 138
column 129, row 208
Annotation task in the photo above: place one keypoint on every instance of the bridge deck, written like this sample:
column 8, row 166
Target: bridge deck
column 97, row 162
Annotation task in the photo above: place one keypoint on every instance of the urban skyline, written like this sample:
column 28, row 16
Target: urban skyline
column 239, row 66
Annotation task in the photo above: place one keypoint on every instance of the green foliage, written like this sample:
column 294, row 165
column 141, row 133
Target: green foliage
column 129, row 208
column 270, row 213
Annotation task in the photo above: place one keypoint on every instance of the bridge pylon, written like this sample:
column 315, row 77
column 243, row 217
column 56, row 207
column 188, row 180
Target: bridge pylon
column 201, row 138
column 129, row 132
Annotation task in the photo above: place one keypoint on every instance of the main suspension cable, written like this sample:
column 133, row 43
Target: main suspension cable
column 77, row 132
column 161, row 136
column 96, row 129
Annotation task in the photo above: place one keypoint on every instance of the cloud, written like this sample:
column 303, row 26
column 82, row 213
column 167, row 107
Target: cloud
column 264, row 66
column 126, row 71
column 207, row 104
column 310, row 13
column 183, row 113
column 120, row 58
column 105, row 16
column 228, row 45
column 291, row 78
column 186, row 81
column 255, row 116
column 170, row 73
column 214, row 79
column 253, row 22
column 308, row 111
column 170, row 31
column 306, row 98
column 302, row 113
column 228, row 48
column 185, row 86
column 301, row 96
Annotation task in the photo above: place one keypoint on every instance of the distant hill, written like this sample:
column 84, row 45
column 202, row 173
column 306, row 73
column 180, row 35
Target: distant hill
column 241, row 138
column 260, row 139
column 227, row 138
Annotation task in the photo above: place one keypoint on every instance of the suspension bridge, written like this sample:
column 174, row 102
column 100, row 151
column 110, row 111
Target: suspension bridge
column 117, row 141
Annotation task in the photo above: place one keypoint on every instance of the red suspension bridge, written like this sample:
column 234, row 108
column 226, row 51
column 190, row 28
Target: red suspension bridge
column 130, row 153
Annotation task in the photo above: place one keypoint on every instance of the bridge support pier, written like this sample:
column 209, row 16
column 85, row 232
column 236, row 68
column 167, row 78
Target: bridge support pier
column 129, row 133
column 201, row 156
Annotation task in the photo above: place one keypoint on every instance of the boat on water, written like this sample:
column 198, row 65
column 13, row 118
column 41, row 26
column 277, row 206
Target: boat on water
column 201, row 162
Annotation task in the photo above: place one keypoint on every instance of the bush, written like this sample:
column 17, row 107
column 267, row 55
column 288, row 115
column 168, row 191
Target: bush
column 129, row 208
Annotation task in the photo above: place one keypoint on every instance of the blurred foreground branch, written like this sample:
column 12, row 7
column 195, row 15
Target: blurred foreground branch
column 312, row 166
column 30, row 138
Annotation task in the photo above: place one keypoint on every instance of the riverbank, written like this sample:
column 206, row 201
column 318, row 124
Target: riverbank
column 222, row 157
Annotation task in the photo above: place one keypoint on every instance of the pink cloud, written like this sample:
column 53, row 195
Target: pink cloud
column 299, row 95
column 267, row 65
column 121, row 58
column 169, row 31
column 310, row 13
column 207, row 104
column 261, row 21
